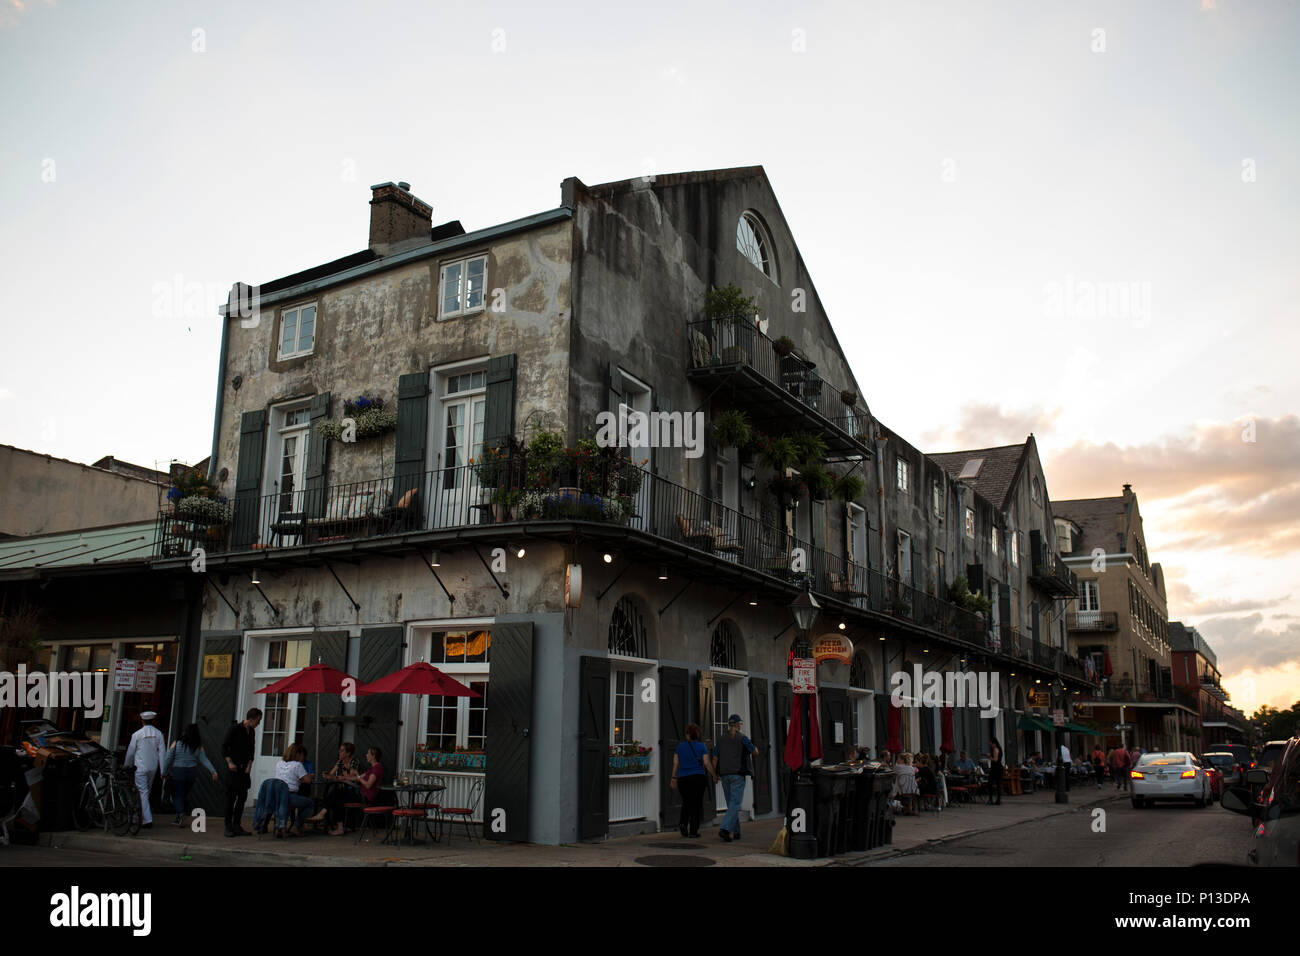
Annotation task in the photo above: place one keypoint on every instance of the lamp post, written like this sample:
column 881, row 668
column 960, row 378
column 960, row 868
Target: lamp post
column 803, row 846
column 1062, row 795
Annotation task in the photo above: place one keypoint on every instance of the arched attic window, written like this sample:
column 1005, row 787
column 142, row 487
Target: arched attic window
column 755, row 244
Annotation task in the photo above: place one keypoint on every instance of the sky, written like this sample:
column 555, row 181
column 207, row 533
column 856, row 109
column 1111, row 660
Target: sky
column 1072, row 219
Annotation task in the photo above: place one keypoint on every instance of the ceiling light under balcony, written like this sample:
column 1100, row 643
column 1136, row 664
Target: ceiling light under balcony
column 608, row 557
column 256, row 578
column 663, row 572
column 434, row 560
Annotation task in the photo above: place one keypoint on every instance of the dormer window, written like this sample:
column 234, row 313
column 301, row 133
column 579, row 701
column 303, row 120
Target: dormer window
column 1064, row 536
column 297, row 331
column 754, row 245
column 461, row 287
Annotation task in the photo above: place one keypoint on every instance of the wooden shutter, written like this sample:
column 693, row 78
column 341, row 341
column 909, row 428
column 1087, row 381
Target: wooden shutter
column 704, row 717
column 381, row 654
column 1033, row 620
column 317, row 448
column 509, row 718
column 760, row 733
column 320, row 739
column 782, row 697
column 1004, row 609
column 848, row 538
column 918, row 566
column 412, row 436
column 835, row 710
column 615, row 387
column 674, row 683
column 248, row 479
column 593, row 748
column 975, row 577
column 216, row 712
column 499, row 415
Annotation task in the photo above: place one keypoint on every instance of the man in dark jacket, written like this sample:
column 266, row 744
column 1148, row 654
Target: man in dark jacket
column 238, row 749
column 732, row 754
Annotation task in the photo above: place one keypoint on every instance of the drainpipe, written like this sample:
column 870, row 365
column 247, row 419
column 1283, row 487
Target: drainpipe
column 880, row 497
column 221, row 380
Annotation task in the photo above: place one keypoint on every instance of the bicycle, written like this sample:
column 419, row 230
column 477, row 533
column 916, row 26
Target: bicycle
column 108, row 801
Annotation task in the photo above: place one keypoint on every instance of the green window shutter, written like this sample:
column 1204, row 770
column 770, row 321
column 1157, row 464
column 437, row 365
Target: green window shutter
column 615, row 387
column 317, row 447
column 873, row 547
column 248, row 478
column 412, row 435
column 499, row 415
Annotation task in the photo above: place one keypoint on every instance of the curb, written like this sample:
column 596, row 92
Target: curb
column 167, row 850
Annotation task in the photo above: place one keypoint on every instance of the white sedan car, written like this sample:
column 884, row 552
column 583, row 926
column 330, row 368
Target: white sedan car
column 1169, row 776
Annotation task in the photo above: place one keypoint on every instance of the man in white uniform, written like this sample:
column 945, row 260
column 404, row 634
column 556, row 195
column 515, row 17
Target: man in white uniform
column 146, row 752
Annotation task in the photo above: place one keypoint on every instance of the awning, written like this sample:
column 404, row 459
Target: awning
column 1029, row 722
column 1081, row 729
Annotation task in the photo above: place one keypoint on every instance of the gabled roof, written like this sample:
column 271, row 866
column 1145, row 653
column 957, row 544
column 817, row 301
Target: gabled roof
column 1095, row 518
column 996, row 476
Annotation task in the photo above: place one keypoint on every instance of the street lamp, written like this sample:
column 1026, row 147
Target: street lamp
column 803, row 846
column 1062, row 794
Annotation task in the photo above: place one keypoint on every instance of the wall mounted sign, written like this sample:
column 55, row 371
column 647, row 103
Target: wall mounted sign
column 217, row 665
column 124, row 675
column 833, row 647
column 146, row 677
column 805, row 675
column 1038, row 698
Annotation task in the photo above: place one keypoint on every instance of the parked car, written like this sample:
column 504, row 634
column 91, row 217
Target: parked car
column 1244, row 757
column 1268, row 757
column 1169, row 776
column 1277, row 837
column 1227, row 765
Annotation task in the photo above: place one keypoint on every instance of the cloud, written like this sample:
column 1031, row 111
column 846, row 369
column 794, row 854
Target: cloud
column 1232, row 486
column 5, row 393
column 1184, row 603
column 1241, row 643
column 984, row 426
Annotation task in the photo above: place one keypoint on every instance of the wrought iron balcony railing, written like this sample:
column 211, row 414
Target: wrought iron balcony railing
column 1094, row 621
column 1048, row 571
column 607, row 492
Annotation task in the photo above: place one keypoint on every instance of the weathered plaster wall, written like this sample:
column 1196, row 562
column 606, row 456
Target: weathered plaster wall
column 44, row 495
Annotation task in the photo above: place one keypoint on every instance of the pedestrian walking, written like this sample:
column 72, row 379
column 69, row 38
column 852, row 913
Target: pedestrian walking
column 145, row 753
column 692, row 769
column 995, row 770
column 182, row 764
column 731, row 756
column 1119, row 765
column 238, row 750
column 1098, row 764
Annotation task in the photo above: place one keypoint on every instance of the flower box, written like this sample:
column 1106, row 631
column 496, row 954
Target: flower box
column 449, row 760
column 622, row 765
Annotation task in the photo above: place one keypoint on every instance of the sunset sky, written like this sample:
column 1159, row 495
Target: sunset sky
column 1077, row 219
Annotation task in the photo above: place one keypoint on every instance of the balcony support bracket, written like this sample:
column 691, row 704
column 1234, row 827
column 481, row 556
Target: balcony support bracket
column 233, row 610
column 351, row 600
column 777, row 635
column 451, row 598
column 605, row 590
column 274, row 610
column 487, row 567
column 675, row 597
column 709, row 622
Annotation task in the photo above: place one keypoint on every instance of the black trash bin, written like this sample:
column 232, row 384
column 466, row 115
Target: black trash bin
column 62, row 778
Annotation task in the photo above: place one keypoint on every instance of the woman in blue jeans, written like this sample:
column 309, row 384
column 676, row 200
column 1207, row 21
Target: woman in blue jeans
column 291, row 770
column 182, row 764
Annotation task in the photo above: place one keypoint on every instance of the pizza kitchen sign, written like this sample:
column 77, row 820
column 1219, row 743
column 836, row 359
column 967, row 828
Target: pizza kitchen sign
column 833, row 647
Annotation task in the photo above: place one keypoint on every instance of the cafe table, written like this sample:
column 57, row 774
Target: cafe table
column 409, row 791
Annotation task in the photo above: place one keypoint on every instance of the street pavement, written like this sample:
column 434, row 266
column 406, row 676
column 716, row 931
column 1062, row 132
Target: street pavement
column 1163, row 835
column 1024, row 830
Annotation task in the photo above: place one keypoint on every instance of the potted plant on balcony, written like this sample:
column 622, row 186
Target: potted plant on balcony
column 783, row 346
column 788, row 489
column 731, row 429
column 371, row 417
column 820, row 482
column 849, row 397
column 777, row 453
column 849, row 487
column 809, row 449
column 729, row 306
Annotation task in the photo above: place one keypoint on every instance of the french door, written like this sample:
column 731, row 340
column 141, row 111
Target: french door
column 461, row 415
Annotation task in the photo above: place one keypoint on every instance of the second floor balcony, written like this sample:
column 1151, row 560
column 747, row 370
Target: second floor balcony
column 783, row 391
column 1047, row 571
column 612, row 502
column 1094, row 622
column 1127, row 691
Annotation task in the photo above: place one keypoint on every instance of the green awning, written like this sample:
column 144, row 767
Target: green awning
column 1080, row 729
column 1030, row 722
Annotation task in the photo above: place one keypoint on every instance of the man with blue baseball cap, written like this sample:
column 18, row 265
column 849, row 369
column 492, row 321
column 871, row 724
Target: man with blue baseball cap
column 733, row 759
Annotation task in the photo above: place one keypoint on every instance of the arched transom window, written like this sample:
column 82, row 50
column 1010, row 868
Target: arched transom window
column 627, row 630
column 751, row 240
column 722, row 650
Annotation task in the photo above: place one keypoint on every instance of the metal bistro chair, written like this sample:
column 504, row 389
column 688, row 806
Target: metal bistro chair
column 430, row 802
column 464, row 814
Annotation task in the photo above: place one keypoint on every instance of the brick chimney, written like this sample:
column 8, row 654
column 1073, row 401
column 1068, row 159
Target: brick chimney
column 1128, row 492
column 398, row 220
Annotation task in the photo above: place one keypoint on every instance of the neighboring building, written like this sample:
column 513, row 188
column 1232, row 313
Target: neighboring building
column 1009, row 552
column 1120, row 620
column 373, row 554
column 47, row 495
column 1195, row 670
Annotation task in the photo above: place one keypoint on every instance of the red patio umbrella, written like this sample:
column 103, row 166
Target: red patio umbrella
column 945, row 727
column 317, row 679
column 419, row 678
column 794, row 739
column 1106, row 664
column 894, row 724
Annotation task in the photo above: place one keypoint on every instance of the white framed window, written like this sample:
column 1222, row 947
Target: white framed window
column 286, row 458
column 901, row 475
column 970, row 524
column 905, row 557
column 1015, row 548
column 1035, row 491
column 936, row 498
column 1064, row 538
column 751, row 240
column 297, row 330
column 624, row 707
column 460, row 415
column 460, row 287
column 1089, row 597
column 451, row 722
column 993, row 539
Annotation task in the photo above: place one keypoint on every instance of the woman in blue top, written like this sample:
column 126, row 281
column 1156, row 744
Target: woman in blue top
column 182, row 764
column 692, row 768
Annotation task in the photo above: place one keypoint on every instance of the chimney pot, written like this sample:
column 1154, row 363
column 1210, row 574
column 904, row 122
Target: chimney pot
column 398, row 219
column 405, row 186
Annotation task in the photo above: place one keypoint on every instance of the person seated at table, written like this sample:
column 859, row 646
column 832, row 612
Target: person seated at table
column 927, row 783
column 291, row 770
column 965, row 764
column 885, row 757
column 1032, row 768
column 348, row 768
column 905, row 782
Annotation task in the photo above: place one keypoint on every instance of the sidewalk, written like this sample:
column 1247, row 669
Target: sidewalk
column 165, row 842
